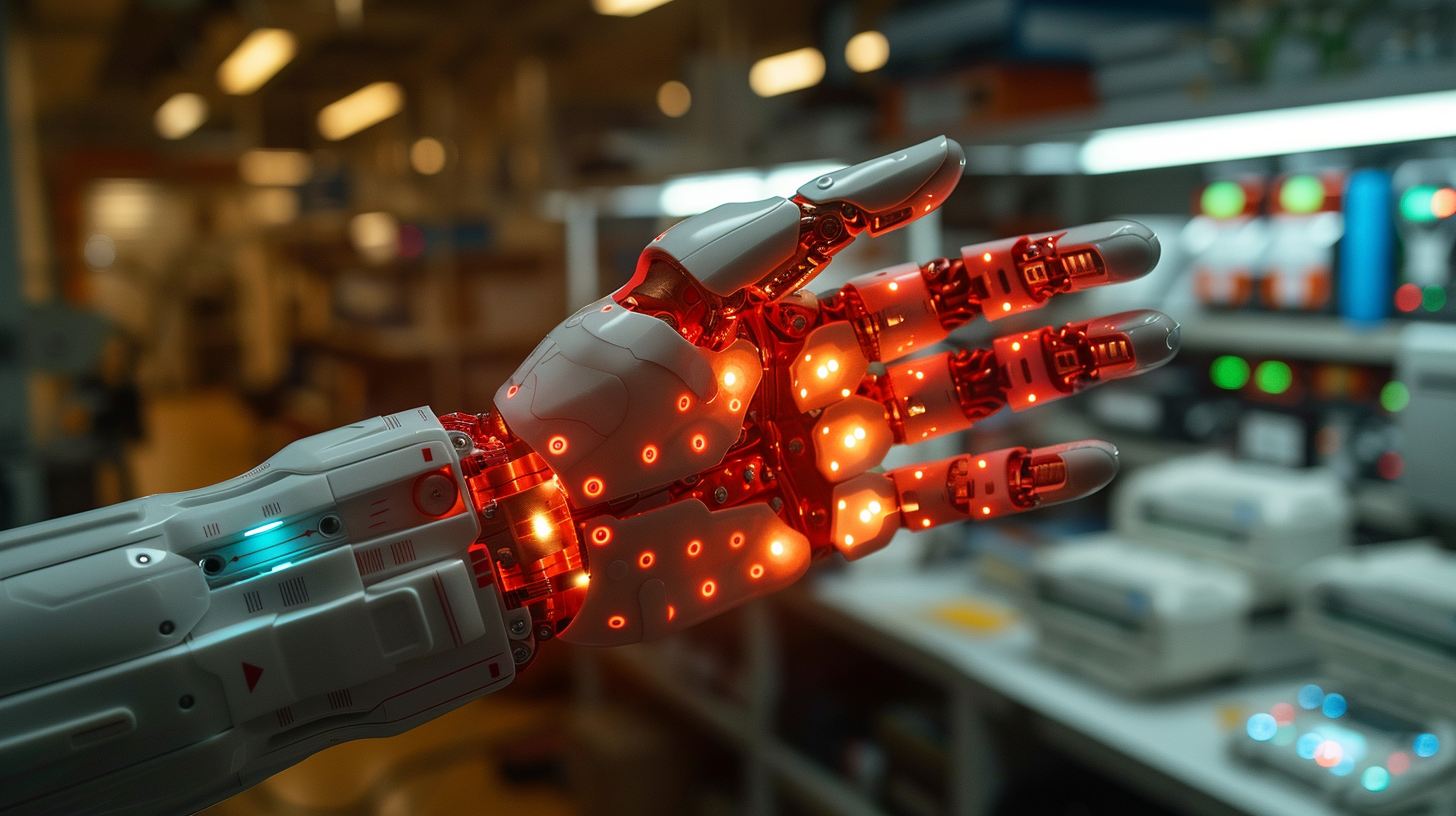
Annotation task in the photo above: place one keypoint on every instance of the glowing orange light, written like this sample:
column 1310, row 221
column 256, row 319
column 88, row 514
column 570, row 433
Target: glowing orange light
column 844, row 392
column 848, row 441
column 616, row 621
column 894, row 286
column 920, row 474
column 986, row 257
column 849, row 541
column 1443, row 203
column 803, row 392
column 649, row 454
column 730, row 378
column 833, row 365
column 920, row 375
column 841, row 504
column 709, row 588
column 557, row 444
column 834, row 466
column 683, row 402
column 864, row 516
column 808, row 357
column 822, row 372
column 981, row 463
column 734, row 405
column 1031, row 398
column 601, row 535
column 511, row 392
column 694, row 547
column 925, row 522
column 700, row 443
column 583, row 579
column 777, row 548
column 646, row 559
column 985, row 511
column 826, row 430
column 1016, row 346
column 592, row 486
column 671, row 612
column 755, row 571
column 736, row 540
column 1006, row 307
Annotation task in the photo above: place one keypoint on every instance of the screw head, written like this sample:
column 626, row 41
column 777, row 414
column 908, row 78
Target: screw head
column 748, row 475
column 817, row 517
column 796, row 446
column 776, row 503
column 505, row 557
column 721, row 494
column 187, row 701
column 521, row 653
column 799, row 323
column 518, row 626
column 545, row 632
column 167, row 627
column 461, row 442
column 824, row 183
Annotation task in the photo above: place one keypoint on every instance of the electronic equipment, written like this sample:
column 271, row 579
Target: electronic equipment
column 1263, row 520
column 1426, row 220
column 1426, row 370
column 1379, row 736
column 1135, row 618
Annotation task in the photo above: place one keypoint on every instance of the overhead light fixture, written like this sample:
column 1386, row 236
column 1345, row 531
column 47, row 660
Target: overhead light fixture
column 867, row 51
column 363, row 108
column 674, row 99
column 428, row 156
column 1272, row 133
column 180, row 115
column 275, row 168
column 626, row 8
column 783, row 73
column 257, row 58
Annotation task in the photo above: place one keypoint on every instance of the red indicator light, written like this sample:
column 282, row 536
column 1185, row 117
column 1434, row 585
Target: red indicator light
column 1408, row 297
column 735, row 540
column 700, row 443
column 1390, row 465
column 734, row 405
column 601, row 535
column 593, row 486
column 607, row 308
column 616, row 621
column 646, row 559
column 709, row 588
column 683, row 402
column 649, row 454
column 755, row 571
column 694, row 547
column 1398, row 763
column 511, row 392
column 557, row 444
column 671, row 612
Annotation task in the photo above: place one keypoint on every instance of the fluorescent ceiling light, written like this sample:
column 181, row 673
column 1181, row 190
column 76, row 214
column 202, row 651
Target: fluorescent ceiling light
column 363, row 108
column 275, row 168
column 180, row 115
column 1272, row 133
column 257, row 58
column 626, row 8
column 690, row 195
column 787, row 72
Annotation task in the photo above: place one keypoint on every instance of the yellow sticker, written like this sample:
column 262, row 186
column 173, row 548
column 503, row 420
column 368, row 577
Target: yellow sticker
column 976, row 616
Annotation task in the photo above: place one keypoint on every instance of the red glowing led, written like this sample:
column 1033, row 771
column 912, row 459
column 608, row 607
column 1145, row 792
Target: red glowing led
column 734, row 405
column 616, row 621
column 645, row 559
column 511, row 392
column 736, row 540
column 1390, row 465
column 557, row 444
column 1398, row 763
column 709, row 588
column 1283, row 713
column 694, row 547
column 649, row 454
column 671, row 612
column 1408, row 297
column 700, row 443
column 684, row 402
column 592, row 486
column 755, row 571
column 607, row 308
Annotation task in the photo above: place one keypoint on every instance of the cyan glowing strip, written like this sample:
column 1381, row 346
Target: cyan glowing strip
column 272, row 525
column 1272, row 133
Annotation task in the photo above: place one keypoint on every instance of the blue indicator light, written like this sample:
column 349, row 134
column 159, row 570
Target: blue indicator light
column 1307, row 745
column 1262, row 726
column 1426, row 745
column 1343, row 767
column 1375, row 779
column 263, row 528
column 1334, row 705
column 1310, row 697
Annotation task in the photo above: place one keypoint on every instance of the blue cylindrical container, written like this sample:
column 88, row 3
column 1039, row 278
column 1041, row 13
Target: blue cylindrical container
column 1367, row 253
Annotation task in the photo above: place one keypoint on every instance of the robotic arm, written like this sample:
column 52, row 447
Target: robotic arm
column 691, row 442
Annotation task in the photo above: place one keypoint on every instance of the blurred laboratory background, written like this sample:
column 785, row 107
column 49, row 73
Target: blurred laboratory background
column 228, row 224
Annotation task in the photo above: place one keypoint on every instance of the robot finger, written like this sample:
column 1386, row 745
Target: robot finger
column 911, row 306
column 943, row 393
column 869, row 508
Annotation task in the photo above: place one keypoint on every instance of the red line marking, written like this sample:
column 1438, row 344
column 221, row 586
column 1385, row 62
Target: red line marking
column 429, row 455
column 449, row 613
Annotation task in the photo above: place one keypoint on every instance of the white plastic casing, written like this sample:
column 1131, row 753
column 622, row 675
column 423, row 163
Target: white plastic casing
column 1138, row 619
column 344, row 606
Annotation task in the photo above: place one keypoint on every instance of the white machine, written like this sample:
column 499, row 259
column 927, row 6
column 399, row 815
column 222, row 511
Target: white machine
column 1210, row 546
column 1379, row 734
column 1135, row 618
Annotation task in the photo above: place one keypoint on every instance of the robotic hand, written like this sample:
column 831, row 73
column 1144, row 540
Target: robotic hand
column 689, row 443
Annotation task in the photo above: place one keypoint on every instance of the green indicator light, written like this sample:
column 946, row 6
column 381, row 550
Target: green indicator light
column 1375, row 779
column 1416, row 204
column 1222, row 199
column 1229, row 372
column 1394, row 397
column 1433, row 298
column 1302, row 194
column 1273, row 377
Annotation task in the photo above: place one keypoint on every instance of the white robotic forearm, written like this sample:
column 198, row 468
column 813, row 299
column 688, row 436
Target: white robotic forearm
column 161, row 654
column 673, row 450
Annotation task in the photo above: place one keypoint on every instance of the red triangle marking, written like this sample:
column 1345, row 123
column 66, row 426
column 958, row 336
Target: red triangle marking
column 251, row 673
